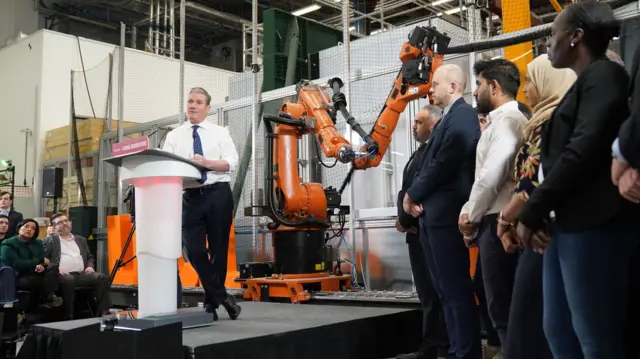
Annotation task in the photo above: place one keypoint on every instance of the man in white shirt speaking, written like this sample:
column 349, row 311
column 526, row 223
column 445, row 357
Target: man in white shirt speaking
column 207, row 210
column 497, row 86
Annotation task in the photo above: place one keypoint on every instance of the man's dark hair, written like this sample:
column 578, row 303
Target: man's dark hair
column 597, row 21
column 504, row 72
column 2, row 193
column 56, row 216
column 4, row 216
column 526, row 111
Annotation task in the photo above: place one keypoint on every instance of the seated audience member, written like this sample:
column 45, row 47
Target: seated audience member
column 70, row 254
column 4, row 227
column 25, row 254
column 15, row 217
column 7, row 274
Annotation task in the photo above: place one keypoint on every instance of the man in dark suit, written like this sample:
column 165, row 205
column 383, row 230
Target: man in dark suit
column 437, row 195
column 434, row 336
column 15, row 217
column 70, row 254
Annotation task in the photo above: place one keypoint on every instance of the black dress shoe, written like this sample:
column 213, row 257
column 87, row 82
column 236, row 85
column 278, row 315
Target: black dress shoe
column 232, row 307
column 211, row 309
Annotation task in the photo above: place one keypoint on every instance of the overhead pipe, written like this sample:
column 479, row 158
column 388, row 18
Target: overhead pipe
column 220, row 14
column 362, row 14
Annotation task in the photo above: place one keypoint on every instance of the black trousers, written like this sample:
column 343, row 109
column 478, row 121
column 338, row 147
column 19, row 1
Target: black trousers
column 97, row 281
column 478, row 287
column 434, row 329
column 525, row 336
column 207, row 215
column 448, row 262
column 42, row 284
column 498, row 274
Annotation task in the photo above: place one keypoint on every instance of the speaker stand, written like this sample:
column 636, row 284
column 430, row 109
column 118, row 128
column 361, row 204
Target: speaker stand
column 55, row 205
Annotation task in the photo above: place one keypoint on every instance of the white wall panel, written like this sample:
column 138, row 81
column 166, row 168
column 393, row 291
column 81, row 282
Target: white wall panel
column 151, row 85
column 20, row 77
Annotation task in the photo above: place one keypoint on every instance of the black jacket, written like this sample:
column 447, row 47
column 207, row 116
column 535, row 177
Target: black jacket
column 576, row 152
column 14, row 219
column 411, row 169
column 630, row 131
column 447, row 170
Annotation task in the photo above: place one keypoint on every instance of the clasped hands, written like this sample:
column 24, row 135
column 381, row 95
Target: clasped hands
column 468, row 230
column 627, row 179
column 410, row 207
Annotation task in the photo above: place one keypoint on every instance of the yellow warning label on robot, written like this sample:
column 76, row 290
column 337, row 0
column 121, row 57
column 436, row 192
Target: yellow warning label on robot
column 90, row 237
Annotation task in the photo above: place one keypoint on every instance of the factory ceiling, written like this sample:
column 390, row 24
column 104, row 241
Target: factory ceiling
column 210, row 22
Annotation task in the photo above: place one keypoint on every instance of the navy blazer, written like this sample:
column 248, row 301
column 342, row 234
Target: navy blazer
column 446, row 175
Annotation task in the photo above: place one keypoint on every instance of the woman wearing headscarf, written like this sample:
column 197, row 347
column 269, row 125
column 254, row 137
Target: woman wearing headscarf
column 593, row 229
column 24, row 253
column 545, row 86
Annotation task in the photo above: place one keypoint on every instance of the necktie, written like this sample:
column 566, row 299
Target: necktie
column 197, row 150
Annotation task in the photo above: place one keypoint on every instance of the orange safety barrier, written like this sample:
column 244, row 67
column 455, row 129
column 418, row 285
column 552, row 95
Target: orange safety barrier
column 118, row 228
column 473, row 256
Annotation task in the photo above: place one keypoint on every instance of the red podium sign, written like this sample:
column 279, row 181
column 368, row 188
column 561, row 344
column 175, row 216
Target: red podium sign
column 130, row 146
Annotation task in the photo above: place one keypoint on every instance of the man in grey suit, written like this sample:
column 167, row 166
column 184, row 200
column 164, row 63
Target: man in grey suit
column 70, row 254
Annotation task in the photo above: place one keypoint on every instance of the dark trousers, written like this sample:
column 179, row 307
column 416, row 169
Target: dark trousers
column 42, row 284
column 207, row 215
column 525, row 336
column 478, row 288
column 448, row 262
column 434, row 330
column 97, row 281
column 498, row 273
column 585, row 289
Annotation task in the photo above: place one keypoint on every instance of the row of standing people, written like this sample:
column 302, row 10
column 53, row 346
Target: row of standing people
column 555, row 233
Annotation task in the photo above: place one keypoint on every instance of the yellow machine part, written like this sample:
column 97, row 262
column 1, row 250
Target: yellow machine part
column 516, row 15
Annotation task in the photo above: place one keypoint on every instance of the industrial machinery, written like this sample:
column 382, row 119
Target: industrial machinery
column 306, row 215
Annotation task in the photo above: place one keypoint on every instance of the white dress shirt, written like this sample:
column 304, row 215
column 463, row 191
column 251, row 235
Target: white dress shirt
column 495, row 155
column 216, row 145
column 70, row 257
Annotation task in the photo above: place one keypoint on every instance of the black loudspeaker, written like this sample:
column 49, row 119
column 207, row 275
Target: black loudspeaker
column 83, row 221
column 52, row 182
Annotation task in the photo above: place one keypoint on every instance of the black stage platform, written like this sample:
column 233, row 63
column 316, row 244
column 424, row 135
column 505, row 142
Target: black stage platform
column 282, row 330
column 264, row 330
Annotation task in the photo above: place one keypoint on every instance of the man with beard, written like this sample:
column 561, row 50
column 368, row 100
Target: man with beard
column 497, row 86
column 434, row 335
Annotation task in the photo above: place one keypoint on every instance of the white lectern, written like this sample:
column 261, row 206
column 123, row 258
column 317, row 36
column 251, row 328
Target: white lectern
column 159, row 178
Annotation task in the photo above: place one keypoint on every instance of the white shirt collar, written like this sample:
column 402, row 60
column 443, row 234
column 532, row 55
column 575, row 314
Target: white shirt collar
column 204, row 124
column 496, row 113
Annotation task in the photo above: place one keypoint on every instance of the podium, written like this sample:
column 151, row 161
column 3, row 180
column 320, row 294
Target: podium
column 159, row 178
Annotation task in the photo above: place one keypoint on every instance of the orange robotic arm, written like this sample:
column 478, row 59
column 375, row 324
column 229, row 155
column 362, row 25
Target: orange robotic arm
column 421, row 55
column 292, row 203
